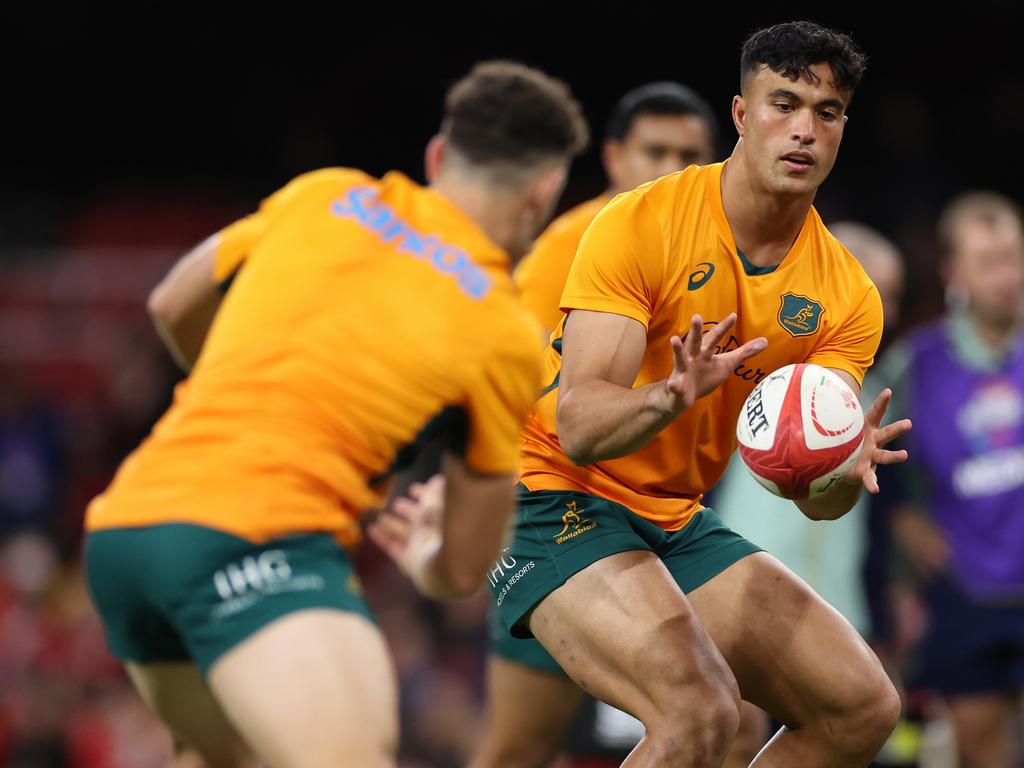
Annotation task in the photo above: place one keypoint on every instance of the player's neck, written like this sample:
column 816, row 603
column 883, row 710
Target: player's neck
column 495, row 214
column 764, row 224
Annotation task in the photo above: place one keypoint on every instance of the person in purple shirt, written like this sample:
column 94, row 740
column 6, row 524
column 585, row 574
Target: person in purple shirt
column 961, row 519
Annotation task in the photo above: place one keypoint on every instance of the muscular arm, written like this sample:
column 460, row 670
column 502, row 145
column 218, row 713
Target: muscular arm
column 600, row 415
column 183, row 305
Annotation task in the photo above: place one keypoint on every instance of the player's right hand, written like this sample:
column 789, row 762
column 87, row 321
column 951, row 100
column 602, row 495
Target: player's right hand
column 697, row 369
column 409, row 531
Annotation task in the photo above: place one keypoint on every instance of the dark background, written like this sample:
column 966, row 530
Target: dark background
column 227, row 104
column 130, row 133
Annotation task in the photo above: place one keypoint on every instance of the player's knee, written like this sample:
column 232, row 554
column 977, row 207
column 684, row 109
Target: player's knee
column 722, row 722
column 678, row 675
column 884, row 714
column 702, row 734
column 870, row 714
column 701, row 719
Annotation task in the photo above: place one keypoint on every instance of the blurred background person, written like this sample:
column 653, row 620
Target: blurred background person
column 656, row 129
column 960, row 522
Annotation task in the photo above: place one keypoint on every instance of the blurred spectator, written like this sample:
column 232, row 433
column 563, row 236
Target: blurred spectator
column 961, row 381
column 30, row 458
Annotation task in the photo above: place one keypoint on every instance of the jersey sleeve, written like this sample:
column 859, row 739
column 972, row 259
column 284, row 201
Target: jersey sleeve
column 236, row 241
column 853, row 344
column 620, row 262
column 498, row 403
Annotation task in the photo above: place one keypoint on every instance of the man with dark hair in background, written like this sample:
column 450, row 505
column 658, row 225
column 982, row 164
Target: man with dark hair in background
column 655, row 129
column 362, row 314
column 960, row 520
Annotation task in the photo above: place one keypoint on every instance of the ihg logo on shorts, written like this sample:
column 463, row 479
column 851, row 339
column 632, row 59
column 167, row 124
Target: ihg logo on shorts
column 252, row 573
column 242, row 583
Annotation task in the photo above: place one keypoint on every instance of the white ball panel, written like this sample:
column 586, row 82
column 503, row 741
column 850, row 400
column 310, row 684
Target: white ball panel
column 836, row 417
column 755, row 427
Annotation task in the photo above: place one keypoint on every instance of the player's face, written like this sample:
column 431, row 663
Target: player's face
column 791, row 130
column 655, row 146
column 988, row 266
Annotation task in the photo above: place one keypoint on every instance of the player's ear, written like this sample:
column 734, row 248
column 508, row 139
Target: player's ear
column 434, row 157
column 739, row 113
column 548, row 187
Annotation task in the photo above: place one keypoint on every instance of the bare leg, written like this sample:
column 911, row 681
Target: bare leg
column 203, row 736
column 750, row 738
column 984, row 729
column 529, row 712
column 799, row 659
column 314, row 689
column 624, row 631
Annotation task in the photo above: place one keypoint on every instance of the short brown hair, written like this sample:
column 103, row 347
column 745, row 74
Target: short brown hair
column 986, row 207
column 505, row 113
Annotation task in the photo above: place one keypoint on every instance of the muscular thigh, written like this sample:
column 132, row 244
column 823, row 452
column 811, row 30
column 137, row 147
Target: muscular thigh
column 793, row 654
column 624, row 631
column 314, row 688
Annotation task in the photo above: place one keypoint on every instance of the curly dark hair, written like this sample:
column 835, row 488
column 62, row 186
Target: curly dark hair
column 506, row 113
column 790, row 49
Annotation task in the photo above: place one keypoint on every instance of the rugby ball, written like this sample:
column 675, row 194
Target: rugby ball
column 800, row 431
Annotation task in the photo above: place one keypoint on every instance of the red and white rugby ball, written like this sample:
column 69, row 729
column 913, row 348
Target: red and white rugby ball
column 800, row 431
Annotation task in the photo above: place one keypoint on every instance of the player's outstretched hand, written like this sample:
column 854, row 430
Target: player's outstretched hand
column 876, row 436
column 699, row 367
column 409, row 531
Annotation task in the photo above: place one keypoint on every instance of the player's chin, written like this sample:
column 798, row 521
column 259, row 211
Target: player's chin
column 793, row 184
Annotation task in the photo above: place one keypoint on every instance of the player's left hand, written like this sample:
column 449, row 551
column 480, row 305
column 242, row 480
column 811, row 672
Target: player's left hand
column 409, row 531
column 875, row 436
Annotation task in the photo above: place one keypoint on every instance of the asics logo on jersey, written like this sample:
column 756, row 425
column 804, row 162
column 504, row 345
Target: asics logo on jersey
column 360, row 204
column 799, row 315
column 700, row 276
